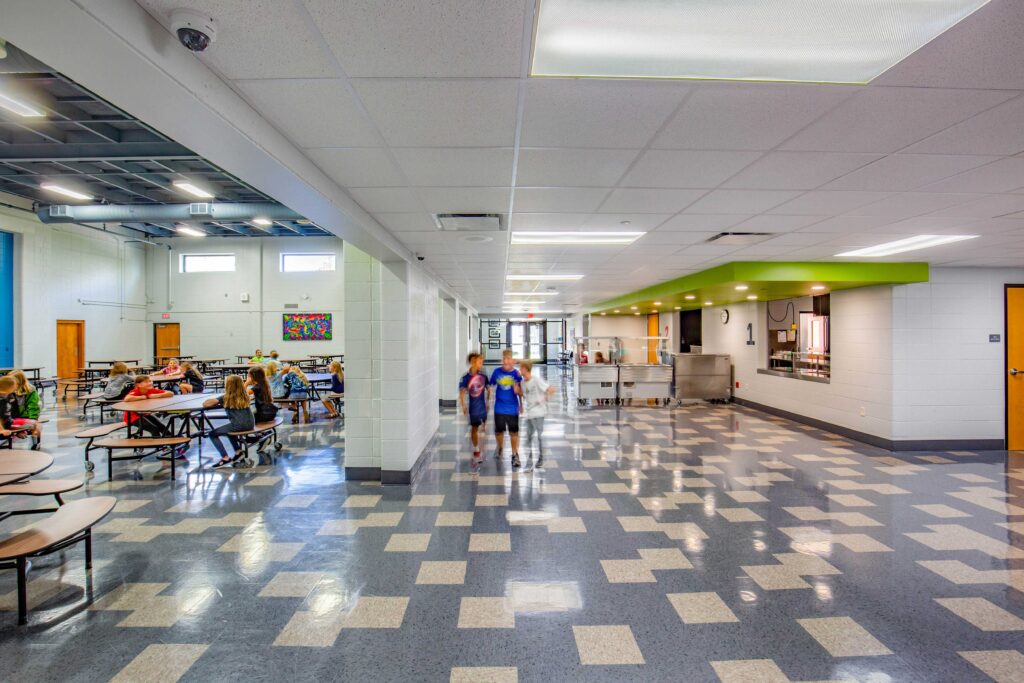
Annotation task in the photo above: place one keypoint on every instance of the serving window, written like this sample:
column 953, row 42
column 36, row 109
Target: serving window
column 798, row 338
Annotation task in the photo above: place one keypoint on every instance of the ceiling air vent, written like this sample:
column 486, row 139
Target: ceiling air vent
column 468, row 222
column 291, row 305
column 740, row 239
column 200, row 209
column 60, row 211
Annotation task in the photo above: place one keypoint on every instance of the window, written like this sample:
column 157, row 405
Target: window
column 207, row 263
column 306, row 263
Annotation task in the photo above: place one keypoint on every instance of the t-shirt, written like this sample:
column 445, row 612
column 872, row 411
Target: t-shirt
column 506, row 402
column 132, row 417
column 535, row 398
column 475, row 385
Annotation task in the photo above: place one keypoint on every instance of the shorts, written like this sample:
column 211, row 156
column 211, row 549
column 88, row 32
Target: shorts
column 477, row 420
column 21, row 422
column 506, row 423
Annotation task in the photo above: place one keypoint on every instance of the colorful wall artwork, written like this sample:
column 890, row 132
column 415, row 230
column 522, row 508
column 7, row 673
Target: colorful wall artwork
column 307, row 326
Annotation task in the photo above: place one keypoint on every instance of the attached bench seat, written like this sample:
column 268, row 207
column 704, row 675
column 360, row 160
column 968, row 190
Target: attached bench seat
column 41, row 487
column 93, row 399
column 296, row 405
column 15, row 431
column 70, row 524
column 94, row 433
column 140, row 449
column 78, row 385
column 264, row 433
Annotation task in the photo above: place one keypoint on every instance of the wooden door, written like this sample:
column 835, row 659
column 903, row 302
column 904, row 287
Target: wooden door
column 166, row 341
column 1015, row 367
column 70, row 347
column 652, row 331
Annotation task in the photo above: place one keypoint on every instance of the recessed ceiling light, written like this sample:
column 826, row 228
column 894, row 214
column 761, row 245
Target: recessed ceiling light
column 752, row 297
column 625, row 222
column 18, row 107
column 531, row 293
column 191, row 232
column 679, row 308
column 262, row 221
column 839, row 41
column 542, row 278
column 909, row 244
column 742, row 288
column 477, row 238
column 637, row 313
column 708, row 303
column 654, row 310
column 603, row 313
column 689, row 297
column 558, row 237
column 818, row 288
column 190, row 188
column 657, row 303
column 632, row 308
column 616, row 311
column 59, row 189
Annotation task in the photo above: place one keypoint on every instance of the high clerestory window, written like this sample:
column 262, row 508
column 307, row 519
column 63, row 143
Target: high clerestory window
column 207, row 263
column 307, row 263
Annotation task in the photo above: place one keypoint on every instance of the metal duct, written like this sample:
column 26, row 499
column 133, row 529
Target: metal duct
column 163, row 213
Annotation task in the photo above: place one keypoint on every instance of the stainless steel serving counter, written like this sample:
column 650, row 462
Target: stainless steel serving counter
column 596, row 381
column 707, row 377
column 642, row 381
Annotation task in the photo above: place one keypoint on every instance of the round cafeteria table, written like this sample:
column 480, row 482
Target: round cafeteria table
column 22, row 462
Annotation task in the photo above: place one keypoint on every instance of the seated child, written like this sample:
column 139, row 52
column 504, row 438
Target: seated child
column 276, row 378
column 25, row 406
column 296, row 386
column 119, row 382
column 7, row 387
column 143, row 390
column 235, row 402
column 192, row 381
column 258, row 387
column 337, row 378
column 257, row 358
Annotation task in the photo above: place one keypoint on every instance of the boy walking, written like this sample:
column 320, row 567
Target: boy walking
column 506, row 385
column 536, row 393
column 474, row 384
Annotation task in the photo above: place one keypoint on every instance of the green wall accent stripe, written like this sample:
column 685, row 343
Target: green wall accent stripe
column 766, row 280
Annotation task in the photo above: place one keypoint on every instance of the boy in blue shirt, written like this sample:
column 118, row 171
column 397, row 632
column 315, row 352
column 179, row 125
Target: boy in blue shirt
column 506, row 386
column 474, row 384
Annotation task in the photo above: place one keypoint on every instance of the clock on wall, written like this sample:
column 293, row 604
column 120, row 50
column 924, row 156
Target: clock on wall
column 725, row 315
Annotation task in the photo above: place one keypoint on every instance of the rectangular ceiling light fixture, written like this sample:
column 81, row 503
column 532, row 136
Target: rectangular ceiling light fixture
column 909, row 244
column 18, row 107
column 191, row 232
column 556, row 237
column 528, row 294
column 543, row 278
column 60, row 189
column 819, row 41
column 194, row 190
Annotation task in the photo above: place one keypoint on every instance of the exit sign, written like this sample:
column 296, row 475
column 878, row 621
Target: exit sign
column 165, row 316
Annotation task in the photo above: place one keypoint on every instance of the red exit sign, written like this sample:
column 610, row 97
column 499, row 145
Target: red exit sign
column 165, row 316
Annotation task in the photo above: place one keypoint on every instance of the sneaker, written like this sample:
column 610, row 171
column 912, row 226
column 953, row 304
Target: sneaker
column 515, row 461
column 540, row 463
column 223, row 462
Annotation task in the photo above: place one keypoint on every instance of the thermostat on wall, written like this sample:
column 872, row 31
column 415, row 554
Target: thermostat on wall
column 244, row 298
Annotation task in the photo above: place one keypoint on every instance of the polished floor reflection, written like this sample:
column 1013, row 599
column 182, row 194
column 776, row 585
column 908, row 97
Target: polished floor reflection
column 694, row 543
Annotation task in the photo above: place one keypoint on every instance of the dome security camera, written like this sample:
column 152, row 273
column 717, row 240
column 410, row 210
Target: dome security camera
column 195, row 30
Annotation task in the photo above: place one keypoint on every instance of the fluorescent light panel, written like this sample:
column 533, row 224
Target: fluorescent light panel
column 59, row 189
column 191, row 232
column 837, row 41
column 542, row 278
column 20, row 108
column 556, row 237
column 192, row 189
column 909, row 244
column 531, row 293
column 262, row 221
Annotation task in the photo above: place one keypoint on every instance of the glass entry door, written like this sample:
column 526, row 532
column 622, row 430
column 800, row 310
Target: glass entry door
column 527, row 340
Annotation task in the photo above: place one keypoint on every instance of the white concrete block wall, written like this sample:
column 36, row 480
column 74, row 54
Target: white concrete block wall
column 450, row 363
column 215, row 322
column 60, row 267
column 424, row 377
column 861, row 346
column 948, row 378
column 362, row 373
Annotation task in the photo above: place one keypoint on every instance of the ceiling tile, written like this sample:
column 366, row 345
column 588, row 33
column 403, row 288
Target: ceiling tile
column 756, row 116
column 626, row 200
column 990, row 206
column 695, row 169
column 848, row 224
column 406, row 222
column 256, row 39
column 328, row 116
column 465, row 199
column 776, row 223
column 907, row 204
column 1004, row 175
column 825, row 203
column 386, row 199
column 358, row 166
column 558, row 199
column 423, row 38
column 997, row 131
column 703, row 222
column 572, row 167
column 797, row 170
column 586, row 112
column 900, row 172
column 464, row 112
column 739, row 201
column 456, row 167
column 626, row 221
column 547, row 221
column 887, row 119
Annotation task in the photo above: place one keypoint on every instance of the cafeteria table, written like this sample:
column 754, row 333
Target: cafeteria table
column 17, row 465
column 134, row 361
column 175, row 406
column 31, row 373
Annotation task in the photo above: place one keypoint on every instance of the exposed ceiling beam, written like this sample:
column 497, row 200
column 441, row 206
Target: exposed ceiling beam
column 97, row 152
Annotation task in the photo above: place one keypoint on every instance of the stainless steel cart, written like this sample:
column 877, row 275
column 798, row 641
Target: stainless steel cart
column 641, row 381
column 707, row 377
column 596, row 381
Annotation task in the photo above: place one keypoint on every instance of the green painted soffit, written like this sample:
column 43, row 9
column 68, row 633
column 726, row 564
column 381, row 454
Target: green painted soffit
column 767, row 280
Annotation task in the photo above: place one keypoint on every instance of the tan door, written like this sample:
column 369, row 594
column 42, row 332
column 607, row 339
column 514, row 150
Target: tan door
column 166, row 341
column 1015, row 367
column 70, row 347
column 652, row 331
